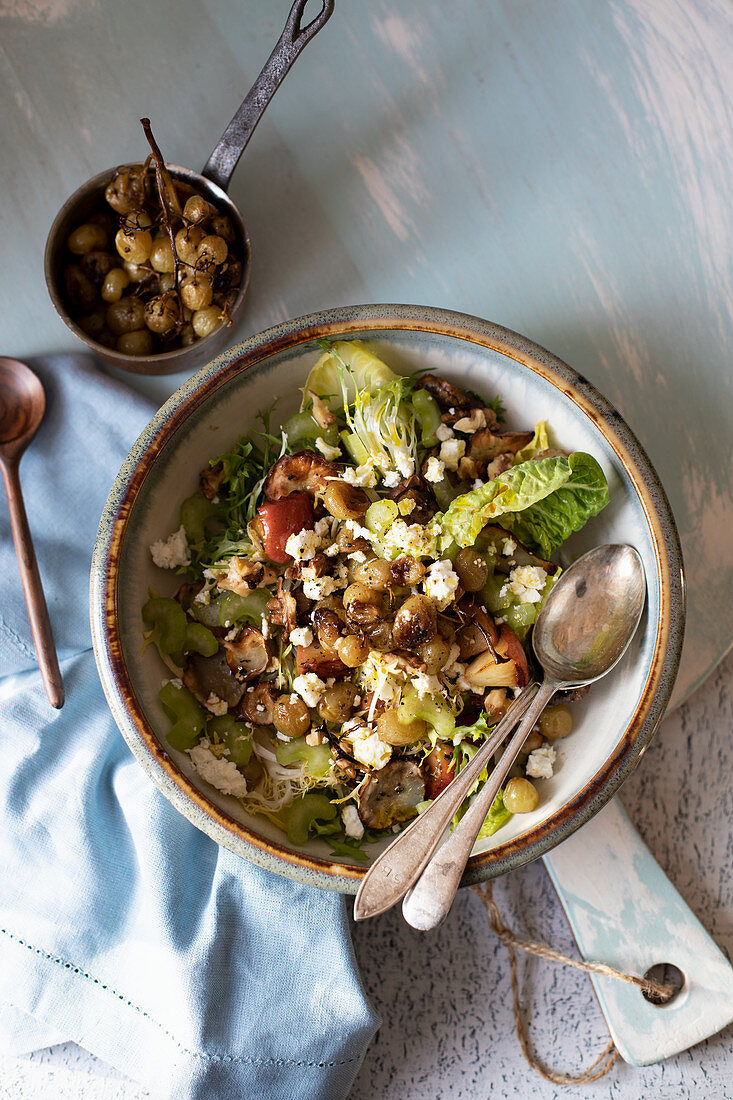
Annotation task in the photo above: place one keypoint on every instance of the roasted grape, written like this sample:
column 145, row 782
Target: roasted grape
column 116, row 281
column 206, row 320
column 146, row 276
column 161, row 314
column 139, row 342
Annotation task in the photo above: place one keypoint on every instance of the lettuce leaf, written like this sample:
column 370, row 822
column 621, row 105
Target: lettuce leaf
column 548, row 522
column 497, row 816
column 538, row 443
column 346, row 368
column 541, row 502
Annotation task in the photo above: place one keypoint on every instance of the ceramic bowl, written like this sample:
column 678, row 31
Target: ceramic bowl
column 613, row 724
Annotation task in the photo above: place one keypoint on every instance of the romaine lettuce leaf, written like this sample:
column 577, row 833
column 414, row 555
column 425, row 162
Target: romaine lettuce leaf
column 363, row 372
column 541, row 502
column 497, row 816
column 548, row 522
column 538, row 443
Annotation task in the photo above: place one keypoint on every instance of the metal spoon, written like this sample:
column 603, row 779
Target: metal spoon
column 22, row 405
column 581, row 633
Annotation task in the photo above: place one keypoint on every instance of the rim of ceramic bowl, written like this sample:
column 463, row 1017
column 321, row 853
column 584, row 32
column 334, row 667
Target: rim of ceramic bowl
column 343, row 321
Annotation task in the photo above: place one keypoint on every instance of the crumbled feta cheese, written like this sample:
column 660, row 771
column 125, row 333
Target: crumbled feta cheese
column 477, row 483
column 470, row 424
column 329, row 452
column 203, row 596
column 425, row 684
column 302, row 635
column 216, row 705
column 323, row 527
column 406, row 506
column 357, row 555
column 177, row 683
column 508, row 546
column 304, row 545
column 451, row 453
column 435, row 470
column 391, row 479
column 316, row 588
column 412, row 539
column 540, row 762
column 357, row 530
column 525, row 583
column 341, row 576
column 367, row 747
column 462, row 682
column 310, row 688
column 363, row 476
column 404, row 461
column 379, row 675
column 172, row 552
column 221, row 773
column 332, row 550
column 352, row 822
column 443, row 432
column 265, row 626
column 441, row 583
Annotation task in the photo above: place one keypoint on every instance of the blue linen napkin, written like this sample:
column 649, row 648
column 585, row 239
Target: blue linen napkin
column 122, row 927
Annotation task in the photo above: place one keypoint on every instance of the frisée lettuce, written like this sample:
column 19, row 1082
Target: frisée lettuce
column 352, row 600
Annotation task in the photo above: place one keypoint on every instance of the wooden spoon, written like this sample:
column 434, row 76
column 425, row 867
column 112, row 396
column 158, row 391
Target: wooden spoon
column 22, row 405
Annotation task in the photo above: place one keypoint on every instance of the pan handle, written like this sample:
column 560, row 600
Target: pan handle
column 224, row 158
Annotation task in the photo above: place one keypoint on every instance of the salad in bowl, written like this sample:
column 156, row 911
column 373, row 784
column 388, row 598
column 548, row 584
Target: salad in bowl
column 355, row 598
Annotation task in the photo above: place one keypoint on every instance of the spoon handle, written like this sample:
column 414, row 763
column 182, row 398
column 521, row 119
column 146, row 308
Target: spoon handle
column 399, row 866
column 33, row 589
column 429, row 902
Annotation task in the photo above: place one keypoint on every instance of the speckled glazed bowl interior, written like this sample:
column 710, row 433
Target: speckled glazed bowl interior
column 613, row 724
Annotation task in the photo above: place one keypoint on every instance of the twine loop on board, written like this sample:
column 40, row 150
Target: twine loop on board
column 609, row 1055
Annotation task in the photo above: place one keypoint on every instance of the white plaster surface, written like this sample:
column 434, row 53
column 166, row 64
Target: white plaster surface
column 445, row 998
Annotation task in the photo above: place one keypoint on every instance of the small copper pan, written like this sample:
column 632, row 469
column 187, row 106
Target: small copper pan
column 212, row 183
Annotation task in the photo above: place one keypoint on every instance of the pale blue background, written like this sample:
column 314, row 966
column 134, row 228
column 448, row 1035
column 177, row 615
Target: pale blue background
column 561, row 168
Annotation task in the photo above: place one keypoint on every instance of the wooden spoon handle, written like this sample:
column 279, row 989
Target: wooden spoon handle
column 33, row 589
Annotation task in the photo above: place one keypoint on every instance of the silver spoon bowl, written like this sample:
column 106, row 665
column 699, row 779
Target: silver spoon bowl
column 581, row 633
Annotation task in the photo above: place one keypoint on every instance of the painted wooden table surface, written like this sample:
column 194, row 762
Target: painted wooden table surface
column 445, row 998
column 561, row 168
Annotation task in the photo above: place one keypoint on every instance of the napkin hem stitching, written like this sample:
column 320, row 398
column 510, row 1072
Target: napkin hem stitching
column 20, row 643
column 184, row 1050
